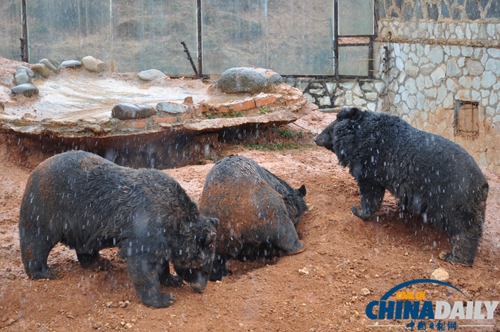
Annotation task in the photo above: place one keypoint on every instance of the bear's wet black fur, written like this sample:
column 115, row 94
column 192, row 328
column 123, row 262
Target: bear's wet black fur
column 257, row 210
column 430, row 175
column 89, row 203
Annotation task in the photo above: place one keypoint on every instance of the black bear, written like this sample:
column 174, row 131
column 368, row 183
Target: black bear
column 257, row 210
column 428, row 174
column 88, row 203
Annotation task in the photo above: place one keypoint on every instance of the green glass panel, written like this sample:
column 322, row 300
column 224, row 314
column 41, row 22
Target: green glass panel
column 64, row 30
column 10, row 29
column 148, row 34
column 137, row 34
column 353, row 60
column 356, row 17
column 290, row 37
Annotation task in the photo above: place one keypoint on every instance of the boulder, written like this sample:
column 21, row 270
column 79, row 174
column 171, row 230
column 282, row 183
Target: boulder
column 247, row 79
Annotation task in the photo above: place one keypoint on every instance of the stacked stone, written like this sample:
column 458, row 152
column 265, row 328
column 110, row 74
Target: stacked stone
column 45, row 66
column 426, row 82
column 448, row 31
column 23, row 81
column 93, row 65
column 23, row 77
column 328, row 94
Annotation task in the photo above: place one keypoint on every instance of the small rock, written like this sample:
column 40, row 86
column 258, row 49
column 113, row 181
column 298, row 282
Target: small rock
column 151, row 74
column 170, row 108
column 109, row 304
column 27, row 70
column 28, row 117
column 188, row 100
column 440, row 274
column 26, row 89
column 94, row 65
column 304, row 271
column 53, row 65
column 127, row 111
column 70, row 64
column 41, row 69
column 128, row 326
column 364, row 291
column 11, row 276
column 21, row 77
column 112, row 66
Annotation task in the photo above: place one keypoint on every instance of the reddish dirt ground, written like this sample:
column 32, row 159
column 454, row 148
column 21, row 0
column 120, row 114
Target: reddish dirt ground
column 346, row 264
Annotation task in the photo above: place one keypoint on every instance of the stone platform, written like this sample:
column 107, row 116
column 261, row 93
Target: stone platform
column 73, row 111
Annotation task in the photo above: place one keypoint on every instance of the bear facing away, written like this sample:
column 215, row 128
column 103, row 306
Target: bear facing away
column 89, row 203
column 257, row 210
column 428, row 174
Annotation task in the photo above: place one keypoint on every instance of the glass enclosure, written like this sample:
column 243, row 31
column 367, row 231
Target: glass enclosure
column 292, row 37
column 356, row 17
column 10, row 29
column 353, row 60
column 137, row 34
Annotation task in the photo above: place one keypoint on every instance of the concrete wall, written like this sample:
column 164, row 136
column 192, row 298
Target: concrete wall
column 432, row 57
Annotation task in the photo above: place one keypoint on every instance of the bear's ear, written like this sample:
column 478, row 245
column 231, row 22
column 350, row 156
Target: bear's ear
column 207, row 239
column 302, row 191
column 215, row 222
column 353, row 113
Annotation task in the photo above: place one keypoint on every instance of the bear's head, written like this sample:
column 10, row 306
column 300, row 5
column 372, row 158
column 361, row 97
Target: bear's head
column 326, row 137
column 194, row 264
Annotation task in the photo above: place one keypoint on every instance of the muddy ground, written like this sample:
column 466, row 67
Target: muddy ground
column 346, row 264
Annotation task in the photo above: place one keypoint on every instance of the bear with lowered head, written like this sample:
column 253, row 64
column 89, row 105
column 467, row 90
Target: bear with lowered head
column 89, row 203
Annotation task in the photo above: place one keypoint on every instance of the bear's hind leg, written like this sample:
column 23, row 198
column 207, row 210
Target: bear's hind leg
column 146, row 281
column 167, row 279
column 464, row 246
column 34, row 255
column 87, row 260
column 372, row 195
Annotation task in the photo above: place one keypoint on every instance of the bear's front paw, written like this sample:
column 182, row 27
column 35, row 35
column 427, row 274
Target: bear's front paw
column 218, row 273
column 159, row 301
column 445, row 256
column 357, row 211
column 450, row 258
column 172, row 281
column 44, row 274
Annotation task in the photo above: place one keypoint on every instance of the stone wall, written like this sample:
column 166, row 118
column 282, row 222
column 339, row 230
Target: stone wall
column 442, row 74
column 437, row 65
column 330, row 94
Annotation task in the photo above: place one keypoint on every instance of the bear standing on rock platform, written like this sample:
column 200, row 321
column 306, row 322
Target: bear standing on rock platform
column 89, row 203
column 430, row 175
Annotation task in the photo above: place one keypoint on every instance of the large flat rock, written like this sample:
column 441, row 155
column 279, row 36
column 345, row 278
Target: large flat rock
column 74, row 110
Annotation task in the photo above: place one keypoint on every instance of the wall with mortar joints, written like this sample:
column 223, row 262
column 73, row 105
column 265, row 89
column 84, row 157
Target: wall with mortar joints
column 429, row 55
column 438, row 59
column 330, row 94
